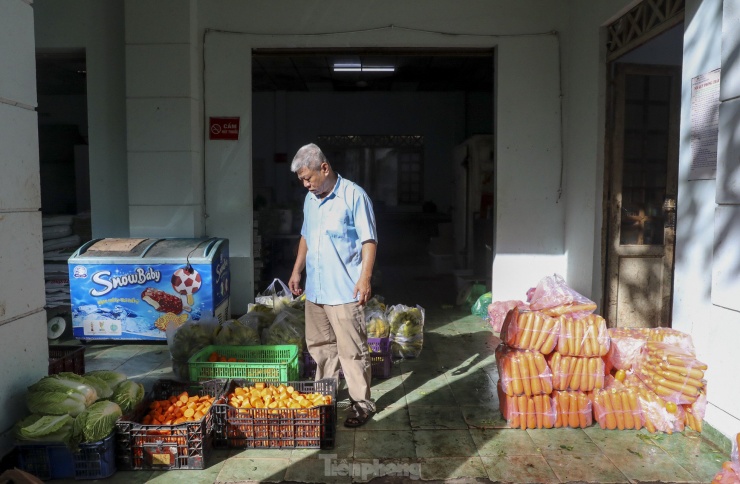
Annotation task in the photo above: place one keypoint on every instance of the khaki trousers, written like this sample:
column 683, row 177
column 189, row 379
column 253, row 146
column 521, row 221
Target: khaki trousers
column 336, row 335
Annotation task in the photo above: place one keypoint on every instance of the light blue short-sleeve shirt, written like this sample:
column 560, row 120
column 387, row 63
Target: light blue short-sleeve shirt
column 335, row 228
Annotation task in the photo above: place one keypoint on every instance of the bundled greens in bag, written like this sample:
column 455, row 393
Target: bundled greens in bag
column 264, row 315
column 406, row 330
column 289, row 328
column 187, row 339
column 238, row 332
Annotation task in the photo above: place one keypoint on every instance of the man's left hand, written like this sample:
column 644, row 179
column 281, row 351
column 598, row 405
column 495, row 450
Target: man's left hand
column 363, row 292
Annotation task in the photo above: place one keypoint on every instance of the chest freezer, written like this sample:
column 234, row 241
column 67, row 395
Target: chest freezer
column 129, row 289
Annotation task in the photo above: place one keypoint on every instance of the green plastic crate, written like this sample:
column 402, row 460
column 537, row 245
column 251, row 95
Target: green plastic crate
column 258, row 363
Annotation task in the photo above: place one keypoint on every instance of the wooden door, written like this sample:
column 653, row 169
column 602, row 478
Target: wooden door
column 642, row 195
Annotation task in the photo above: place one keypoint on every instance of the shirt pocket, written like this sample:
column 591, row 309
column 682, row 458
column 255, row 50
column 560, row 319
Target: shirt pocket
column 337, row 223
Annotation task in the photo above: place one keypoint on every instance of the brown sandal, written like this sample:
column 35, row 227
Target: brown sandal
column 360, row 417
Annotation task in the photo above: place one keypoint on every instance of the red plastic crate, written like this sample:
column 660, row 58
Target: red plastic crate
column 164, row 447
column 380, row 365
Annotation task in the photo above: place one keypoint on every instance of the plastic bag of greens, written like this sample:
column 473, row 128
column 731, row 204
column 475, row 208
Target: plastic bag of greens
column 238, row 332
column 480, row 308
column 289, row 328
column 262, row 313
column 276, row 295
column 187, row 339
column 406, row 330
column 376, row 323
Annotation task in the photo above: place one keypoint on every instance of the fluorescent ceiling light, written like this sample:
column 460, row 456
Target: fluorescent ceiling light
column 360, row 68
column 379, row 69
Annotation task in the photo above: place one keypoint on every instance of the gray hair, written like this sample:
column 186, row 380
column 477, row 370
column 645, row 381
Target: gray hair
column 309, row 156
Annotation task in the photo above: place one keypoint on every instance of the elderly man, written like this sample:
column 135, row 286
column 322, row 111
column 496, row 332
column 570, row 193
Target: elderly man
column 337, row 249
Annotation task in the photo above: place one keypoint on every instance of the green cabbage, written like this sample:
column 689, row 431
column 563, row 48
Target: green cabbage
column 113, row 378
column 55, row 402
column 128, row 394
column 45, row 428
column 96, row 422
column 102, row 388
column 59, row 394
column 236, row 333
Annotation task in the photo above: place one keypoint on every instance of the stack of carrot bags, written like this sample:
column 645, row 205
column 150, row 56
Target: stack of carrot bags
column 560, row 366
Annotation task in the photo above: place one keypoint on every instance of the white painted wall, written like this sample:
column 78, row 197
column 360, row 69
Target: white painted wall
column 715, row 330
column 23, row 348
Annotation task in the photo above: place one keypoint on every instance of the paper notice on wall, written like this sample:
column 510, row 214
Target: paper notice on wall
column 704, row 125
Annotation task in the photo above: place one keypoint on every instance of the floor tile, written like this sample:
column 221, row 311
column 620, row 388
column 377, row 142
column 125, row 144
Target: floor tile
column 365, row 470
column 503, row 442
column 620, row 441
column 656, row 467
column 389, row 418
column 436, row 393
column 585, row 467
column 519, row 469
column 700, row 458
column 239, row 469
column 565, row 441
column 443, row 468
column 391, row 398
column 483, row 417
column 441, row 443
column 324, row 469
column 384, row 444
column 436, row 417
column 344, row 447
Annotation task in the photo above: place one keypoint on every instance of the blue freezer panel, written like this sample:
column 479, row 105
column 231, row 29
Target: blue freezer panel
column 135, row 301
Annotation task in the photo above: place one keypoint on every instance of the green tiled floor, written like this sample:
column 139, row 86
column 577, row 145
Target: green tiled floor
column 438, row 418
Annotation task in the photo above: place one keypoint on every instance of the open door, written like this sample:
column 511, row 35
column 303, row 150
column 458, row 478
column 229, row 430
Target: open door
column 642, row 195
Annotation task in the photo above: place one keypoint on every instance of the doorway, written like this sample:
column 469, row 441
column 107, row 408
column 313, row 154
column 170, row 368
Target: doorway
column 388, row 119
column 642, row 195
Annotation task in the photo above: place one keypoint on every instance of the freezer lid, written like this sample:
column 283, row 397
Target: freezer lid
column 167, row 250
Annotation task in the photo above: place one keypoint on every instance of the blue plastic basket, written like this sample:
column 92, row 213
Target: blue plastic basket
column 96, row 460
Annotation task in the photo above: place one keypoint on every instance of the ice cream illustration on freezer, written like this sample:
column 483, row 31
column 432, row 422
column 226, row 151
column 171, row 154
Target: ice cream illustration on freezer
column 162, row 301
column 186, row 281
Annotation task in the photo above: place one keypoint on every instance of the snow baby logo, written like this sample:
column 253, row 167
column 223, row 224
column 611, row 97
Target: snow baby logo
column 140, row 276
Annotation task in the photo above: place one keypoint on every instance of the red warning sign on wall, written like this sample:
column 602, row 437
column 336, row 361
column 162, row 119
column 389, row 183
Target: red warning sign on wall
column 224, row 128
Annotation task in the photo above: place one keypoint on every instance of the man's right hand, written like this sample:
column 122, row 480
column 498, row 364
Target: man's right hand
column 295, row 284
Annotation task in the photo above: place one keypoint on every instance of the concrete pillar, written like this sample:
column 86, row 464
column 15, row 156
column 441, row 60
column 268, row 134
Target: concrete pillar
column 23, row 345
column 164, row 119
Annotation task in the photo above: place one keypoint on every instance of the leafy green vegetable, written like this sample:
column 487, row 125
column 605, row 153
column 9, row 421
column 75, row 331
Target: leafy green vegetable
column 634, row 452
column 113, row 378
column 55, row 402
column 234, row 332
column 45, row 428
column 102, row 388
column 289, row 328
column 190, row 338
column 128, row 394
column 96, row 422
column 566, row 447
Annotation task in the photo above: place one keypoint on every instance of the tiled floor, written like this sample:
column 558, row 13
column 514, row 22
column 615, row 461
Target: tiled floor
column 438, row 418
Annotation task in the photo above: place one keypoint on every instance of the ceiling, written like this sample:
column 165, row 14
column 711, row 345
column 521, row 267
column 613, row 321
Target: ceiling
column 305, row 70
column 415, row 70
